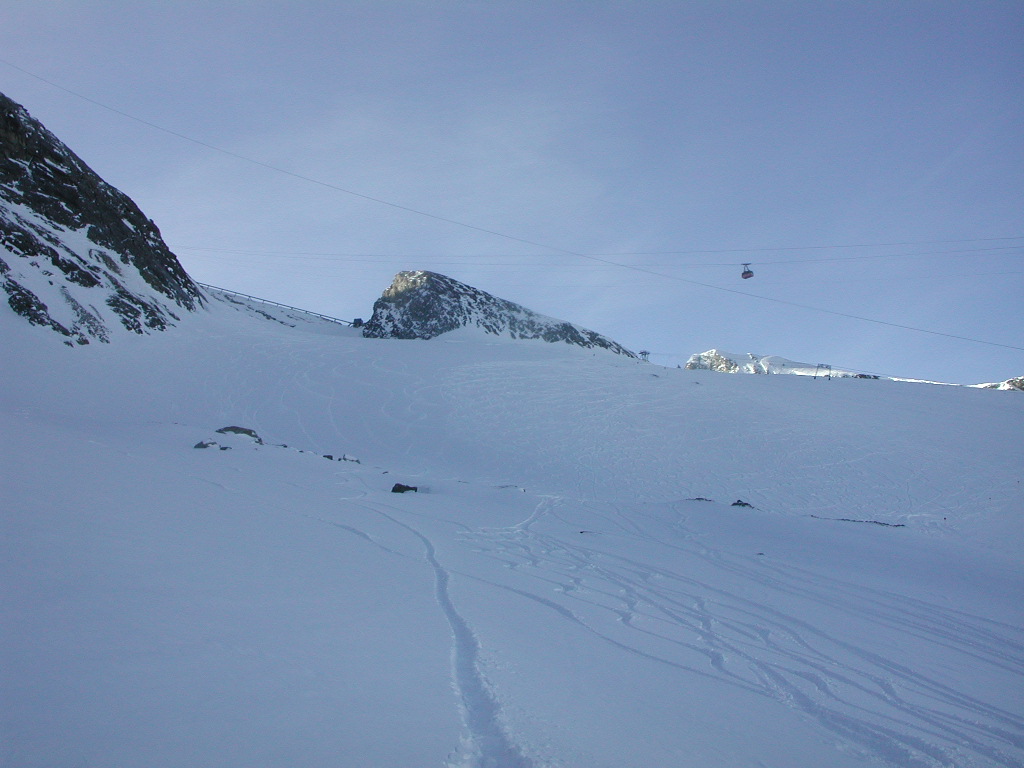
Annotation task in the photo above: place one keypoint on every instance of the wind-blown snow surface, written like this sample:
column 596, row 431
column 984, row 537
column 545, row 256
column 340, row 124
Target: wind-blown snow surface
column 552, row 596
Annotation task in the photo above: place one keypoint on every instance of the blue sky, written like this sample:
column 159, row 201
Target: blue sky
column 865, row 157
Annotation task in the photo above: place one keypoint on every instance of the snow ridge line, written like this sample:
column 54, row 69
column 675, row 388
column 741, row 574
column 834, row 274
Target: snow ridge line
column 337, row 320
column 487, row 745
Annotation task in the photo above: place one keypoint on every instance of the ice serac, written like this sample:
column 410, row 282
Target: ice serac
column 77, row 255
column 422, row 305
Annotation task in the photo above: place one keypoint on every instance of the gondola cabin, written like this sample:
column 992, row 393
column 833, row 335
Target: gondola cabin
column 747, row 272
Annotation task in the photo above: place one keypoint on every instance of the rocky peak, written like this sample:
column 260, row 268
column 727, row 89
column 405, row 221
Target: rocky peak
column 422, row 305
column 713, row 360
column 728, row 362
column 76, row 254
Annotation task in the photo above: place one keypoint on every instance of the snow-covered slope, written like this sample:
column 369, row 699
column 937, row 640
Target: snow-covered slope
column 76, row 255
column 422, row 305
column 596, row 562
column 571, row 585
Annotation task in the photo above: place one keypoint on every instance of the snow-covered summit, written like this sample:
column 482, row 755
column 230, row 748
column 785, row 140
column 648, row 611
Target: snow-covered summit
column 77, row 255
column 731, row 362
column 1014, row 384
column 422, row 305
column 728, row 362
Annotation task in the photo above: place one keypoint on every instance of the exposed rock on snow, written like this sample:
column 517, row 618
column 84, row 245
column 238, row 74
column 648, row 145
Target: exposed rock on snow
column 1016, row 383
column 422, row 305
column 728, row 362
column 244, row 437
column 77, row 255
column 852, row 520
column 202, row 444
column 712, row 360
column 241, row 431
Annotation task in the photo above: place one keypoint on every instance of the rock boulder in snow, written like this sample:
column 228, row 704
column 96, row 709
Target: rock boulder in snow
column 422, row 305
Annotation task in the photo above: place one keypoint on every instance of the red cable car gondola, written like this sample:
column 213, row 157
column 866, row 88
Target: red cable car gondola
column 747, row 272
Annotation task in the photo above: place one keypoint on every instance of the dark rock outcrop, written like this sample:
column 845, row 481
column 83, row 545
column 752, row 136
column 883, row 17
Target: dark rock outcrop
column 76, row 254
column 422, row 305
column 241, row 431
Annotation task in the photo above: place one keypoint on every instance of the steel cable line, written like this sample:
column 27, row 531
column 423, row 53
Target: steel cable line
column 496, row 233
column 818, row 247
column 381, row 258
column 456, row 222
column 285, row 171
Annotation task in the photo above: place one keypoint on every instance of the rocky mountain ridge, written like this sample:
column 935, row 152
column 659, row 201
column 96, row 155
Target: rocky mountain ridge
column 78, row 256
column 423, row 305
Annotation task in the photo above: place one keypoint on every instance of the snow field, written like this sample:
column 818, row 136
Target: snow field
column 553, row 597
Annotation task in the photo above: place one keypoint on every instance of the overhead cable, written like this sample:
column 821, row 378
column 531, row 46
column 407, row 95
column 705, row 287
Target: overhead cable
column 485, row 230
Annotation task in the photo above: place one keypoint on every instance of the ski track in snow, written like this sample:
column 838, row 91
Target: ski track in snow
column 703, row 624
column 700, row 626
column 645, row 584
column 486, row 745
